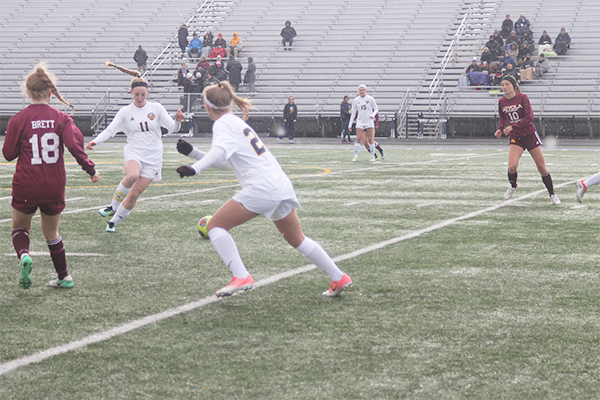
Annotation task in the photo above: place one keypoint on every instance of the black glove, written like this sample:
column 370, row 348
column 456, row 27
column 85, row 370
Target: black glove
column 184, row 171
column 184, row 147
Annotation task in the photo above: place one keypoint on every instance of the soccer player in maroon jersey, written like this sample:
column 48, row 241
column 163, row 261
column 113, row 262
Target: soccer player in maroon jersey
column 37, row 135
column 516, row 122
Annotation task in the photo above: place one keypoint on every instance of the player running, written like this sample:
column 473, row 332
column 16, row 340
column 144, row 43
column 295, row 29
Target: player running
column 37, row 136
column 364, row 110
column 266, row 190
column 583, row 185
column 141, row 121
column 516, row 122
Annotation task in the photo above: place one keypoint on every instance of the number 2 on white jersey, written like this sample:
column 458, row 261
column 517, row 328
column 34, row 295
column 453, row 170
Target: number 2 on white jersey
column 256, row 143
column 49, row 143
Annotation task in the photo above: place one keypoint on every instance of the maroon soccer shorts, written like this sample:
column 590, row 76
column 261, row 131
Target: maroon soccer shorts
column 528, row 142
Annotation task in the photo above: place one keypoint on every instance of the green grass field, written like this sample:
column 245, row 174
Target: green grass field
column 457, row 294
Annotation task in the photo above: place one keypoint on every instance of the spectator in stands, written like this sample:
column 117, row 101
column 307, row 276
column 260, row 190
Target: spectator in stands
column 512, row 71
column 220, row 42
column 562, row 43
column 545, row 39
column 207, row 39
column 493, row 47
column 235, row 45
column 207, row 42
column 527, row 39
column 527, row 62
column 215, row 68
column 513, row 38
column 542, row 66
column 290, row 115
column 473, row 67
column 189, row 88
column 182, row 36
column 345, row 108
column 288, row 33
column 140, row 57
column 508, row 59
column 523, row 51
column 485, row 67
column 203, row 63
column 499, row 40
column 210, row 80
column 497, row 74
column 199, row 79
column 487, row 55
column 181, row 74
column 195, row 46
column 251, row 75
column 513, row 50
column 234, row 67
column 507, row 27
column 522, row 25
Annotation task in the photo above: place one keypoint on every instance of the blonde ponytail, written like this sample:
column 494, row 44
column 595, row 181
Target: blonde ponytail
column 40, row 83
column 219, row 97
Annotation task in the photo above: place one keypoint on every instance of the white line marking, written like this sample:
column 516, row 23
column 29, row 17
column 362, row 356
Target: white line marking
column 47, row 254
column 152, row 319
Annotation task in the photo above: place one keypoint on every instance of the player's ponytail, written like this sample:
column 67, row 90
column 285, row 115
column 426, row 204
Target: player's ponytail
column 40, row 83
column 219, row 97
column 136, row 81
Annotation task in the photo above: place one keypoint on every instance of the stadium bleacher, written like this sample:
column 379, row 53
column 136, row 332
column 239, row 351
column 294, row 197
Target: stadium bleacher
column 392, row 46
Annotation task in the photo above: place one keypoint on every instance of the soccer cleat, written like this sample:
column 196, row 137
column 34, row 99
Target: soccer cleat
column 236, row 285
column 26, row 280
column 581, row 189
column 66, row 283
column 280, row 140
column 554, row 200
column 110, row 227
column 508, row 194
column 382, row 155
column 107, row 211
column 354, row 159
column 291, row 141
column 335, row 288
column 373, row 159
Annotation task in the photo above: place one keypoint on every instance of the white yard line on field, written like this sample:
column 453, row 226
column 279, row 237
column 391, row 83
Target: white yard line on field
column 152, row 319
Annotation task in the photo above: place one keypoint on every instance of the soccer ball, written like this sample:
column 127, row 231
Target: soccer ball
column 202, row 225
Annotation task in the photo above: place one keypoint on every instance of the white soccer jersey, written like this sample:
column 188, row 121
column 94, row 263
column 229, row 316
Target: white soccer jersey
column 256, row 169
column 142, row 127
column 364, row 110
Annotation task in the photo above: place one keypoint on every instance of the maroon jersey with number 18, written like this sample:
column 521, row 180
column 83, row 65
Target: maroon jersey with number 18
column 37, row 136
column 517, row 113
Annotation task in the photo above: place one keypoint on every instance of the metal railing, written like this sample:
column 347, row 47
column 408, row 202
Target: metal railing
column 100, row 113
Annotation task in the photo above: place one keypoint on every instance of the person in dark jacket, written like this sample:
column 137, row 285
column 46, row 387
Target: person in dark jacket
column 220, row 42
column 288, row 34
column 473, row 67
column 493, row 46
column 251, row 75
column 522, row 25
column 345, row 108
column 140, row 57
column 290, row 114
column 507, row 27
column 182, row 36
column 488, row 56
column 562, row 43
column 545, row 39
column 235, row 73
